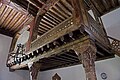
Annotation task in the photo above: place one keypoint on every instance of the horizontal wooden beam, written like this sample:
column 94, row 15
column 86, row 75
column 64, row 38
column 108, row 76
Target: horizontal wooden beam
column 6, row 32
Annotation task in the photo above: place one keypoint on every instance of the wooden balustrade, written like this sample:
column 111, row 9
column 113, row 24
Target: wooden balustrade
column 115, row 45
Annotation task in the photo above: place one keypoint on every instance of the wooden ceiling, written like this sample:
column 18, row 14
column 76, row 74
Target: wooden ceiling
column 12, row 20
column 103, row 6
column 62, row 10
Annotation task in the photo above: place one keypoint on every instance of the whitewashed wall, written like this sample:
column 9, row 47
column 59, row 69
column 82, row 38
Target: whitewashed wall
column 111, row 67
column 112, row 23
column 4, row 71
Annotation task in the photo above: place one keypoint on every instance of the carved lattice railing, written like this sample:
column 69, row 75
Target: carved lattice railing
column 115, row 45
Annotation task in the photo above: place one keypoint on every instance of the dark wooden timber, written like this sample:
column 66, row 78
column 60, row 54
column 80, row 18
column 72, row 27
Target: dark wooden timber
column 87, row 53
column 68, row 36
column 32, row 35
column 34, row 70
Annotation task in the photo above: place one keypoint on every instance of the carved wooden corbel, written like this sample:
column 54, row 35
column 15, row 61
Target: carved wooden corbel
column 86, row 52
column 34, row 69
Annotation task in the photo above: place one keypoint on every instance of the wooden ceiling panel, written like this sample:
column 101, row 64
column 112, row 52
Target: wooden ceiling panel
column 19, row 21
column 12, row 19
column 4, row 19
column 107, row 4
column 2, row 8
column 7, row 18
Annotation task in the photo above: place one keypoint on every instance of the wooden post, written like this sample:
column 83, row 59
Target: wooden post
column 34, row 69
column 86, row 52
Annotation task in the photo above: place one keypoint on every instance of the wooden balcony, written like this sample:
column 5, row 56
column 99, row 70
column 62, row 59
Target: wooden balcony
column 60, row 28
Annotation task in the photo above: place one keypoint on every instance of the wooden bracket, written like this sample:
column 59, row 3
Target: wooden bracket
column 34, row 68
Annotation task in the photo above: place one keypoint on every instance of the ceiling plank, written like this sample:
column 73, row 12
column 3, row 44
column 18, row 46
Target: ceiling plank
column 2, row 9
column 3, row 14
column 119, row 2
column 13, row 21
column 5, row 18
column 43, row 27
column 113, row 3
column 96, row 3
column 64, row 9
column 19, row 22
column 10, row 17
column 49, row 20
column 35, row 4
column 106, row 4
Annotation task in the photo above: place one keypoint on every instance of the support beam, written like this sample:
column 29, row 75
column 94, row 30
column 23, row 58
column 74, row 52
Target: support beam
column 32, row 35
column 86, row 52
column 34, row 68
column 79, row 12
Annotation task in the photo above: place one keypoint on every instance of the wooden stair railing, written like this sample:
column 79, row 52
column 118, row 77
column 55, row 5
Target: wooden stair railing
column 115, row 45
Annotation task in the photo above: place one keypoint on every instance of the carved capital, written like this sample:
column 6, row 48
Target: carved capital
column 86, row 52
column 80, row 48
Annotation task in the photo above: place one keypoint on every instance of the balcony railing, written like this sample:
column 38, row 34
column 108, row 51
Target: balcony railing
column 115, row 45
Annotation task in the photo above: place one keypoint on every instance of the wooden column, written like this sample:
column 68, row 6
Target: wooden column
column 86, row 52
column 32, row 34
column 34, row 69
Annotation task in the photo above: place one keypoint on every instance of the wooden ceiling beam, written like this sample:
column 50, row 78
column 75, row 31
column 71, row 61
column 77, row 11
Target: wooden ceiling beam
column 2, row 9
column 21, row 20
column 6, row 19
column 97, row 6
column 16, row 19
column 20, row 24
column 58, row 20
column 38, row 5
column 3, row 13
column 64, row 9
column 69, row 55
column 47, row 6
column 113, row 3
column 52, row 18
column 119, row 2
column 9, row 18
column 49, row 20
column 24, row 4
column 106, row 4
column 43, row 27
column 43, row 2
